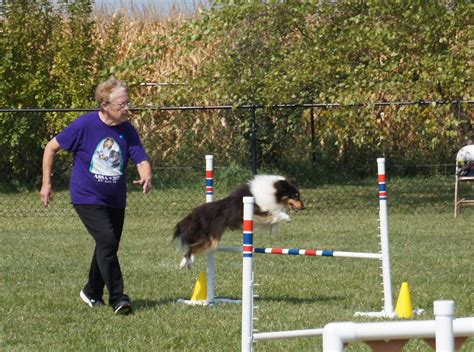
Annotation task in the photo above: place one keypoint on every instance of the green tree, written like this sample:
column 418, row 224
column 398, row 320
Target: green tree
column 27, row 57
column 50, row 59
column 345, row 52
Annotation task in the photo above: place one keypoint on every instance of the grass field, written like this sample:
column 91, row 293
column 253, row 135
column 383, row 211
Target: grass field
column 45, row 260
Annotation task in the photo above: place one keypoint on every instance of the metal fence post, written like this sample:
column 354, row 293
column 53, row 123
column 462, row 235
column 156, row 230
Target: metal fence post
column 254, row 141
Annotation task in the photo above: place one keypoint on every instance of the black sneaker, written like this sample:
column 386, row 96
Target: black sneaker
column 122, row 307
column 91, row 302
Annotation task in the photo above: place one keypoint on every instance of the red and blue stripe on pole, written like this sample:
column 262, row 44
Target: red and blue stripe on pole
column 382, row 186
column 209, row 178
column 209, row 182
column 248, row 238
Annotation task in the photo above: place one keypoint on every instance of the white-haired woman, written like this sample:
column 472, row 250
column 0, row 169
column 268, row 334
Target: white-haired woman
column 102, row 143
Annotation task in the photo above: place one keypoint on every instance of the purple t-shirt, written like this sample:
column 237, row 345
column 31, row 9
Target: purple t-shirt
column 101, row 154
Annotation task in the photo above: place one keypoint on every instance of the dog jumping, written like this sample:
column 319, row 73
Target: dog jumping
column 201, row 230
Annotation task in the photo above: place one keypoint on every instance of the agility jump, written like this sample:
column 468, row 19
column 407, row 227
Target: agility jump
column 383, row 255
column 248, row 336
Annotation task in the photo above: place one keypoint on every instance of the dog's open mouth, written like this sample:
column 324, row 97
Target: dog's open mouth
column 295, row 205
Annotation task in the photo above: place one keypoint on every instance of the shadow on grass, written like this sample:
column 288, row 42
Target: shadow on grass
column 143, row 304
column 299, row 300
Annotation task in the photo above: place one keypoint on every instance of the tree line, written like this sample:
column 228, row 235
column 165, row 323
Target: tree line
column 236, row 53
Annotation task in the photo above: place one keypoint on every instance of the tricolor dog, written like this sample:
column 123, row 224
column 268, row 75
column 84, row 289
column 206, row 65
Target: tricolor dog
column 201, row 230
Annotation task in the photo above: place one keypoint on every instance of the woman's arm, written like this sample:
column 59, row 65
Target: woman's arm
column 46, row 193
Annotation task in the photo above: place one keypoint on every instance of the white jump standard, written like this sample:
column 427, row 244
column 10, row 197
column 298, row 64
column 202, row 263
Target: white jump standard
column 384, row 244
column 211, row 260
column 247, row 275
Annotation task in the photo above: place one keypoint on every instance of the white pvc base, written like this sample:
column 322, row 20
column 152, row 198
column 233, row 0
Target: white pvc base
column 192, row 303
column 207, row 303
column 384, row 314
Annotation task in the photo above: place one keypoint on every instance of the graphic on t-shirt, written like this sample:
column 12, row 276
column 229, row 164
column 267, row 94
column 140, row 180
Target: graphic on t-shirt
column 107, row 158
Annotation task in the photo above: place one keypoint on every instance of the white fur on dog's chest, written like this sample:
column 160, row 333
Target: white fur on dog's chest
column 263, row 190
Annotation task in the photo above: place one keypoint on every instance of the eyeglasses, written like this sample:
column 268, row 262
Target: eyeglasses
column 121, row 105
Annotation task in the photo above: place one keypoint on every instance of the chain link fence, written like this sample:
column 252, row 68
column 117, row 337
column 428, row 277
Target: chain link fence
column 240, row 140
column 405, row 195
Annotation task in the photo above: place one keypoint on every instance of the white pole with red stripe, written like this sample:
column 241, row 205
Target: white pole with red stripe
column 209, row 178
column 387, row 285
column 247, row 275
column 211, row 260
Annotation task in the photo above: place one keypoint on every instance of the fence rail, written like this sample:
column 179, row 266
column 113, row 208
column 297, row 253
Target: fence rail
column 254, row 134
column 257, row 106
column 175, row 195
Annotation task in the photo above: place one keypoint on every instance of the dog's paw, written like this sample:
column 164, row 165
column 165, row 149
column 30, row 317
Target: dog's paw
column 186, row 262
column 280, row 217
column 183, row 264
column 284, row 217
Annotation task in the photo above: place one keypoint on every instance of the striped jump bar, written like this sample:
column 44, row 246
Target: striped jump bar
column 317, row 253
column 305, row 252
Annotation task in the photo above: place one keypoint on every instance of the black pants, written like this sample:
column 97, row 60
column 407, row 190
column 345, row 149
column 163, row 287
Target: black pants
column 105, row 224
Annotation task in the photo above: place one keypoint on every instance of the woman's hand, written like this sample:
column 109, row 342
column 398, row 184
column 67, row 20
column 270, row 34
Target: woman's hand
column 145, row 183
column 46, row 194
column 144, row 170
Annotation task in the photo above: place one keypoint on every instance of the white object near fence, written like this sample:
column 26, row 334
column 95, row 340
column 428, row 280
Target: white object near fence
column 211, row 298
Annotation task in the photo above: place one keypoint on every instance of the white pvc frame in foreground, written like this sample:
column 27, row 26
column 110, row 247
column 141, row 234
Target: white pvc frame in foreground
column 445, row 328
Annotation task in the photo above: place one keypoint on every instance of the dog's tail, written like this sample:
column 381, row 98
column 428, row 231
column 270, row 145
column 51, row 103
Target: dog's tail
column 179, row 235
column 184, row 232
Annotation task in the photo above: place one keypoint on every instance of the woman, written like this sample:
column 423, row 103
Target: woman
column 102, row 142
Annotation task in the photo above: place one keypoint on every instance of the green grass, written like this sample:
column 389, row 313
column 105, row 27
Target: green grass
column 45, row 260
